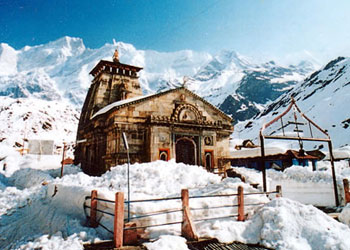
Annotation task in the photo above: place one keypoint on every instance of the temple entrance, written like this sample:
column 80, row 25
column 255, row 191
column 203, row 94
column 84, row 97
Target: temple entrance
column 209, row 160
column 186, row 151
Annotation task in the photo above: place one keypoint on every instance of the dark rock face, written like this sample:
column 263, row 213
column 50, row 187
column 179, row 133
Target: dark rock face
column 258, row 87
column 239, row 107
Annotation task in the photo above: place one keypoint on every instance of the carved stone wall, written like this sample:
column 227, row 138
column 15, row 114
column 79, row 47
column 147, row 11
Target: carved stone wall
column 155, row 125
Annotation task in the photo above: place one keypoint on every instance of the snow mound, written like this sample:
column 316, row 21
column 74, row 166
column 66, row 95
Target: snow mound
column 28, row 177
column 168, row 242
column 302, row 174
column 47, row 242
column 287, row 224
column 45, row 219
column 344, row 216
column 284, row 224
column 147, row 179
column 53, row 215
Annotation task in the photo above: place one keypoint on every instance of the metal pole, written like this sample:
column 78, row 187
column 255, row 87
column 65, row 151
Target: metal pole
column 333, row 173
column 262, row 162
column 127, row 151
column 126, row 145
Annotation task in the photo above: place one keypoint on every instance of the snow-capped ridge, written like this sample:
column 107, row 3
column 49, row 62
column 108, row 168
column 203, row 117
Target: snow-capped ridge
column 322, row 96
column 51, row 54
column 65, row 65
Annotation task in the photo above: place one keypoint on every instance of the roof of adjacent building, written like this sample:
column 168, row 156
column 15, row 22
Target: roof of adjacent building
column 254, row 153
column 340, row 154
column 138, row 99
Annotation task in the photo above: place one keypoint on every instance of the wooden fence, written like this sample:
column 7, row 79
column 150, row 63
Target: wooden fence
column 126, row 233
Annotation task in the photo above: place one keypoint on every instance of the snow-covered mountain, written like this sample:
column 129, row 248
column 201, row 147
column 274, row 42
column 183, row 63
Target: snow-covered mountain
column 324, row 97
column 242, row 88
column 59, row 69
column 49, row 82
column 58, row 73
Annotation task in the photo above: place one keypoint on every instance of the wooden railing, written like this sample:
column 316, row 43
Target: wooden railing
column 126, row 232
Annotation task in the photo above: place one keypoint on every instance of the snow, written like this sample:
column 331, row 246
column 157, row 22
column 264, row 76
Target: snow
column 285, row 224
column 47, row 242
column 8, row 60
column 302, row 183
column 32, row 118
column 256, row 152
column 339, row 153
column 54, row 216
column 169, row 242
column 290, row 77
column 344, row 216
column 119, row 103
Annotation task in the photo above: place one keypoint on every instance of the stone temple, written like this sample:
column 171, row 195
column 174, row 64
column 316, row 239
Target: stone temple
column 172, row 124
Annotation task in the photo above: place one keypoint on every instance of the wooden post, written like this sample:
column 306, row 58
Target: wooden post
column 240, row 200
column 278, row 191
column 333, row 173
column 346, row 191
column 93, row 212
column 130, row 236
column 187, row 227
column 313, row 165
column 262, row 161
column 118, row 220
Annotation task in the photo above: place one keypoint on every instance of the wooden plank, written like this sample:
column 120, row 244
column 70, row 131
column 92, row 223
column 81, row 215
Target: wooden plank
column 93, row 212
column 118, row 220
column 240, row 198
column 187, row 227
column 346, row 191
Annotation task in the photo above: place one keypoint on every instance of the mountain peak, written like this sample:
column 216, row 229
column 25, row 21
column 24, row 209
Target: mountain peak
column 73, row 44
column 8, row 59
column 334, row 62
column 232, row 57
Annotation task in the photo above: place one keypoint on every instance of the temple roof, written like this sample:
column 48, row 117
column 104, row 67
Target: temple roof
column 116, row 65
column 134, row 100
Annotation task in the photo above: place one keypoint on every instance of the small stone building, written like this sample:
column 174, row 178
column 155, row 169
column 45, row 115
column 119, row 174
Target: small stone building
column 172, row 124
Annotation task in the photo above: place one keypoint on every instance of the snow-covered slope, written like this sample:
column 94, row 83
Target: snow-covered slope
column 32, row 118
column 324, row 97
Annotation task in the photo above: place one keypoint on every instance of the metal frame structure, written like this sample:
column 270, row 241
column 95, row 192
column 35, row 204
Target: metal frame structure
column 299, row 137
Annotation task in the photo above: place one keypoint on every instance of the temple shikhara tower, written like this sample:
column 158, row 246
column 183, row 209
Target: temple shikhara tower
column 172, row 124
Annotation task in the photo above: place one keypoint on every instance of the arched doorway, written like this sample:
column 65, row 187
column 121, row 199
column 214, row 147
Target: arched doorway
column 209, row 160
column 186, row 151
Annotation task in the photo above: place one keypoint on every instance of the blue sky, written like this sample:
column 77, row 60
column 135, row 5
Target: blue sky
column 273, row 29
